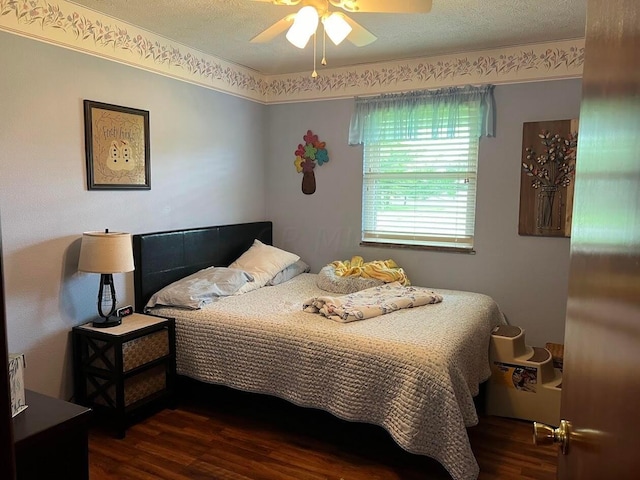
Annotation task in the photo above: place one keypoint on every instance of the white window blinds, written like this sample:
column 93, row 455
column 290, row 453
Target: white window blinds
column 419, row 168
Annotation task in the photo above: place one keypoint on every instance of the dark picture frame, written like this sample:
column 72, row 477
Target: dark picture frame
column 117, row 147
column 547, row 177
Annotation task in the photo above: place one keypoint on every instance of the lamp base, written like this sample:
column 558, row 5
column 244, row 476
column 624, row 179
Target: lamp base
column 107, row 322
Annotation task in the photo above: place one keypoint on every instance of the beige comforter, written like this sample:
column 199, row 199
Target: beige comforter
column 412, row 371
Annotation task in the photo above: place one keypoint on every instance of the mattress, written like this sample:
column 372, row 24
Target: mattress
column 413, row 371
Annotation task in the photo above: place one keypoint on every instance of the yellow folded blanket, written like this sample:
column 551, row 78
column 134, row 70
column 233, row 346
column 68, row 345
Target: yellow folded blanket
column 385, row 270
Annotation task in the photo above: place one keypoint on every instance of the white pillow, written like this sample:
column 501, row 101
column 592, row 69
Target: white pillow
column 290, row 272
column 200, row 288
column 263, row 262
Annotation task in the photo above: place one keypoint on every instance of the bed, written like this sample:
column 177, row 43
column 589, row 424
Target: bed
column 413, row 372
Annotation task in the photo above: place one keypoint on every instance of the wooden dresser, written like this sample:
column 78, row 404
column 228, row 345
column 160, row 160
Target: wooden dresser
column 51, row 439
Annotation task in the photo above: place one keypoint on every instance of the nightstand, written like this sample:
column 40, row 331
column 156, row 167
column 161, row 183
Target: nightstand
column 125, row 371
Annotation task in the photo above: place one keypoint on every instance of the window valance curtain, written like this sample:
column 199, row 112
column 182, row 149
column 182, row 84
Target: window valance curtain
column 406, row 113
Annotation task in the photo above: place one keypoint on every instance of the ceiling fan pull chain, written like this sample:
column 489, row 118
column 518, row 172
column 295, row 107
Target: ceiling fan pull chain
column 324, row 45
column 314, row 74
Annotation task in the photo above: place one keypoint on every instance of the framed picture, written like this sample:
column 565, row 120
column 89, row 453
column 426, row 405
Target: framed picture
column 547, row 176
column 117, row 147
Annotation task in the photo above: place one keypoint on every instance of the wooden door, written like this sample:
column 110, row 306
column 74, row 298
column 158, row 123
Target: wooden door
column 7, row 463
column 601, row 380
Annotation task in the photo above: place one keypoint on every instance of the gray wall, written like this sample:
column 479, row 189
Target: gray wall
column 218, row 159
column 526, row 275
column 206, row 169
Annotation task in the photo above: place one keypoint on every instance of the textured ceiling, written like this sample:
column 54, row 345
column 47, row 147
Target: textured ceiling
column 223, row 28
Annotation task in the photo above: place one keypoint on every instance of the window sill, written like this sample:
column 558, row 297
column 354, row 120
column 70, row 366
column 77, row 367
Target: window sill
column 468, row 251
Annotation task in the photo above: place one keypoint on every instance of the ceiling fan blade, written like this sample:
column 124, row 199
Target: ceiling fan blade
column 383, row 6
column 359, row 35
column 274, row 30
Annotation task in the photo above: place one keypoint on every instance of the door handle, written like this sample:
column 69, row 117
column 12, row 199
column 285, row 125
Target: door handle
column 547, row 435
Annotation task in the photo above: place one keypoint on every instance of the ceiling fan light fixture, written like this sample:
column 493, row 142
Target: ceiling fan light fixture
column 297, row 37
column 336, row 27
column 304, row 25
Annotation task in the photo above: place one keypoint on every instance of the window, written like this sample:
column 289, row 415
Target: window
column 419, row 166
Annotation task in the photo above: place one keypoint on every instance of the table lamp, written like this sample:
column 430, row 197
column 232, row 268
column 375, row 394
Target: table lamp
column 106, row 253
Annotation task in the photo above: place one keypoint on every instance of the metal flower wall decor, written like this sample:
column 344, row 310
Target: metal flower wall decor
column 546, row 190
column 555, row 166
column 313, row 152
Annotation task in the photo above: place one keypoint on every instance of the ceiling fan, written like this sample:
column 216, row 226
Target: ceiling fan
column 338, row 26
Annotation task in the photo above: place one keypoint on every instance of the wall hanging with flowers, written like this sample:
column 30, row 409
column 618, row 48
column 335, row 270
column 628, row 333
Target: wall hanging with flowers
column 309, row 154
column 546, row 185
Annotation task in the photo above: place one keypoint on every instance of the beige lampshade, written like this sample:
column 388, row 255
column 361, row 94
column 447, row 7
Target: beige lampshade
column 106, row 252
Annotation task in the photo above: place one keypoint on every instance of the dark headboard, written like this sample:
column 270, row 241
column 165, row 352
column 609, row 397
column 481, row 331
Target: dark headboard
column 164, row 257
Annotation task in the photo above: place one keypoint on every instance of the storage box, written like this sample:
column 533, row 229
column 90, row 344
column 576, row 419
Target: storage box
column 557, row 353
column 16, row 380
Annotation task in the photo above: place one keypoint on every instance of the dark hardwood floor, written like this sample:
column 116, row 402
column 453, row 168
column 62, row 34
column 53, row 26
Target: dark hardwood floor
column 228, row 435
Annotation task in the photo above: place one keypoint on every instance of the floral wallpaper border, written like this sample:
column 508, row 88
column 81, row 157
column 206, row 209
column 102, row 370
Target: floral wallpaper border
column 508, row 65
column 71, row 26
